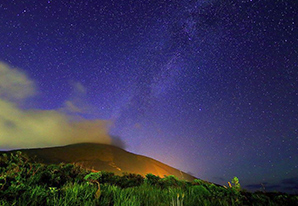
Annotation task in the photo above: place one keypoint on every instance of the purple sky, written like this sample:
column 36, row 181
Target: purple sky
column 206, row 86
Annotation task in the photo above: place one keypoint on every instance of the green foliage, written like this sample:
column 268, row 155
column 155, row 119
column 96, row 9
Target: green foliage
column 152, row 179
column 93, row 176
column 108, row 177
column 169, row 181
column 201, row 190
column 235, row 182
column 198, row 182
column 23, row 182
column 130, row 180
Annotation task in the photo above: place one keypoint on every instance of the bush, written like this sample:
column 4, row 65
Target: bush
column 168, row 181
column 152, row 179
column 235, row 182
column 108, row 177
column 130, row 180
column 201, row 191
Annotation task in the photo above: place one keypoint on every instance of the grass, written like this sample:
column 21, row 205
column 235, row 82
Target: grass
column 144, row 195
column 25, row 183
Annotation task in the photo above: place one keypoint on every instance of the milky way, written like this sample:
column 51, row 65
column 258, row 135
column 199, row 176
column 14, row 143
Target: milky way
column 209, row 87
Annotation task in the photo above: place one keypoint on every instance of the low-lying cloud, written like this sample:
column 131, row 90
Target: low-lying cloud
column 20, row 128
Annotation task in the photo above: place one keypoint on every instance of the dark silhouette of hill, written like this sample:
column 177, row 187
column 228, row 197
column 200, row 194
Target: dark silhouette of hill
column 103, row 157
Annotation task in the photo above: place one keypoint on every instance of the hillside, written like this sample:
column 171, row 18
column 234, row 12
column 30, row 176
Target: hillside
column 103, row 157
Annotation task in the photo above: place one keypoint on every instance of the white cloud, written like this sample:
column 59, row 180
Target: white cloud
column 15, row 84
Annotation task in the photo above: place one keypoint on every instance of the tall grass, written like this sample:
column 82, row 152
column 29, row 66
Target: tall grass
column 144, row 195
column 23, row 183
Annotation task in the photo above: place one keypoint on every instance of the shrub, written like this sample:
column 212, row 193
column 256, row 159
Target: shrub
column 108, row 177
column 152, row 179
column 168, row 181
column 201, row 191
column 235, row 182
column 130, row 180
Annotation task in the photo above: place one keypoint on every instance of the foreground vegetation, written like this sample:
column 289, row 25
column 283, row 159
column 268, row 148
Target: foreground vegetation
column 23, row 182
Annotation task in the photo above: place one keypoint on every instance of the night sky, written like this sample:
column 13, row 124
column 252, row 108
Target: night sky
column 206, row 86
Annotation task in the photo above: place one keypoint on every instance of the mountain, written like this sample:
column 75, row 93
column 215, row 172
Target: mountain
column 101, row 157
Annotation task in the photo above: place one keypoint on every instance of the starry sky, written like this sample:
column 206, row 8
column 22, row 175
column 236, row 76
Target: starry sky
column 206, row 86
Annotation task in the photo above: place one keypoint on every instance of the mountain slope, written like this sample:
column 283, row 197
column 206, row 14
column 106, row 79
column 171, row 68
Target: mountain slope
column 104, row 158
